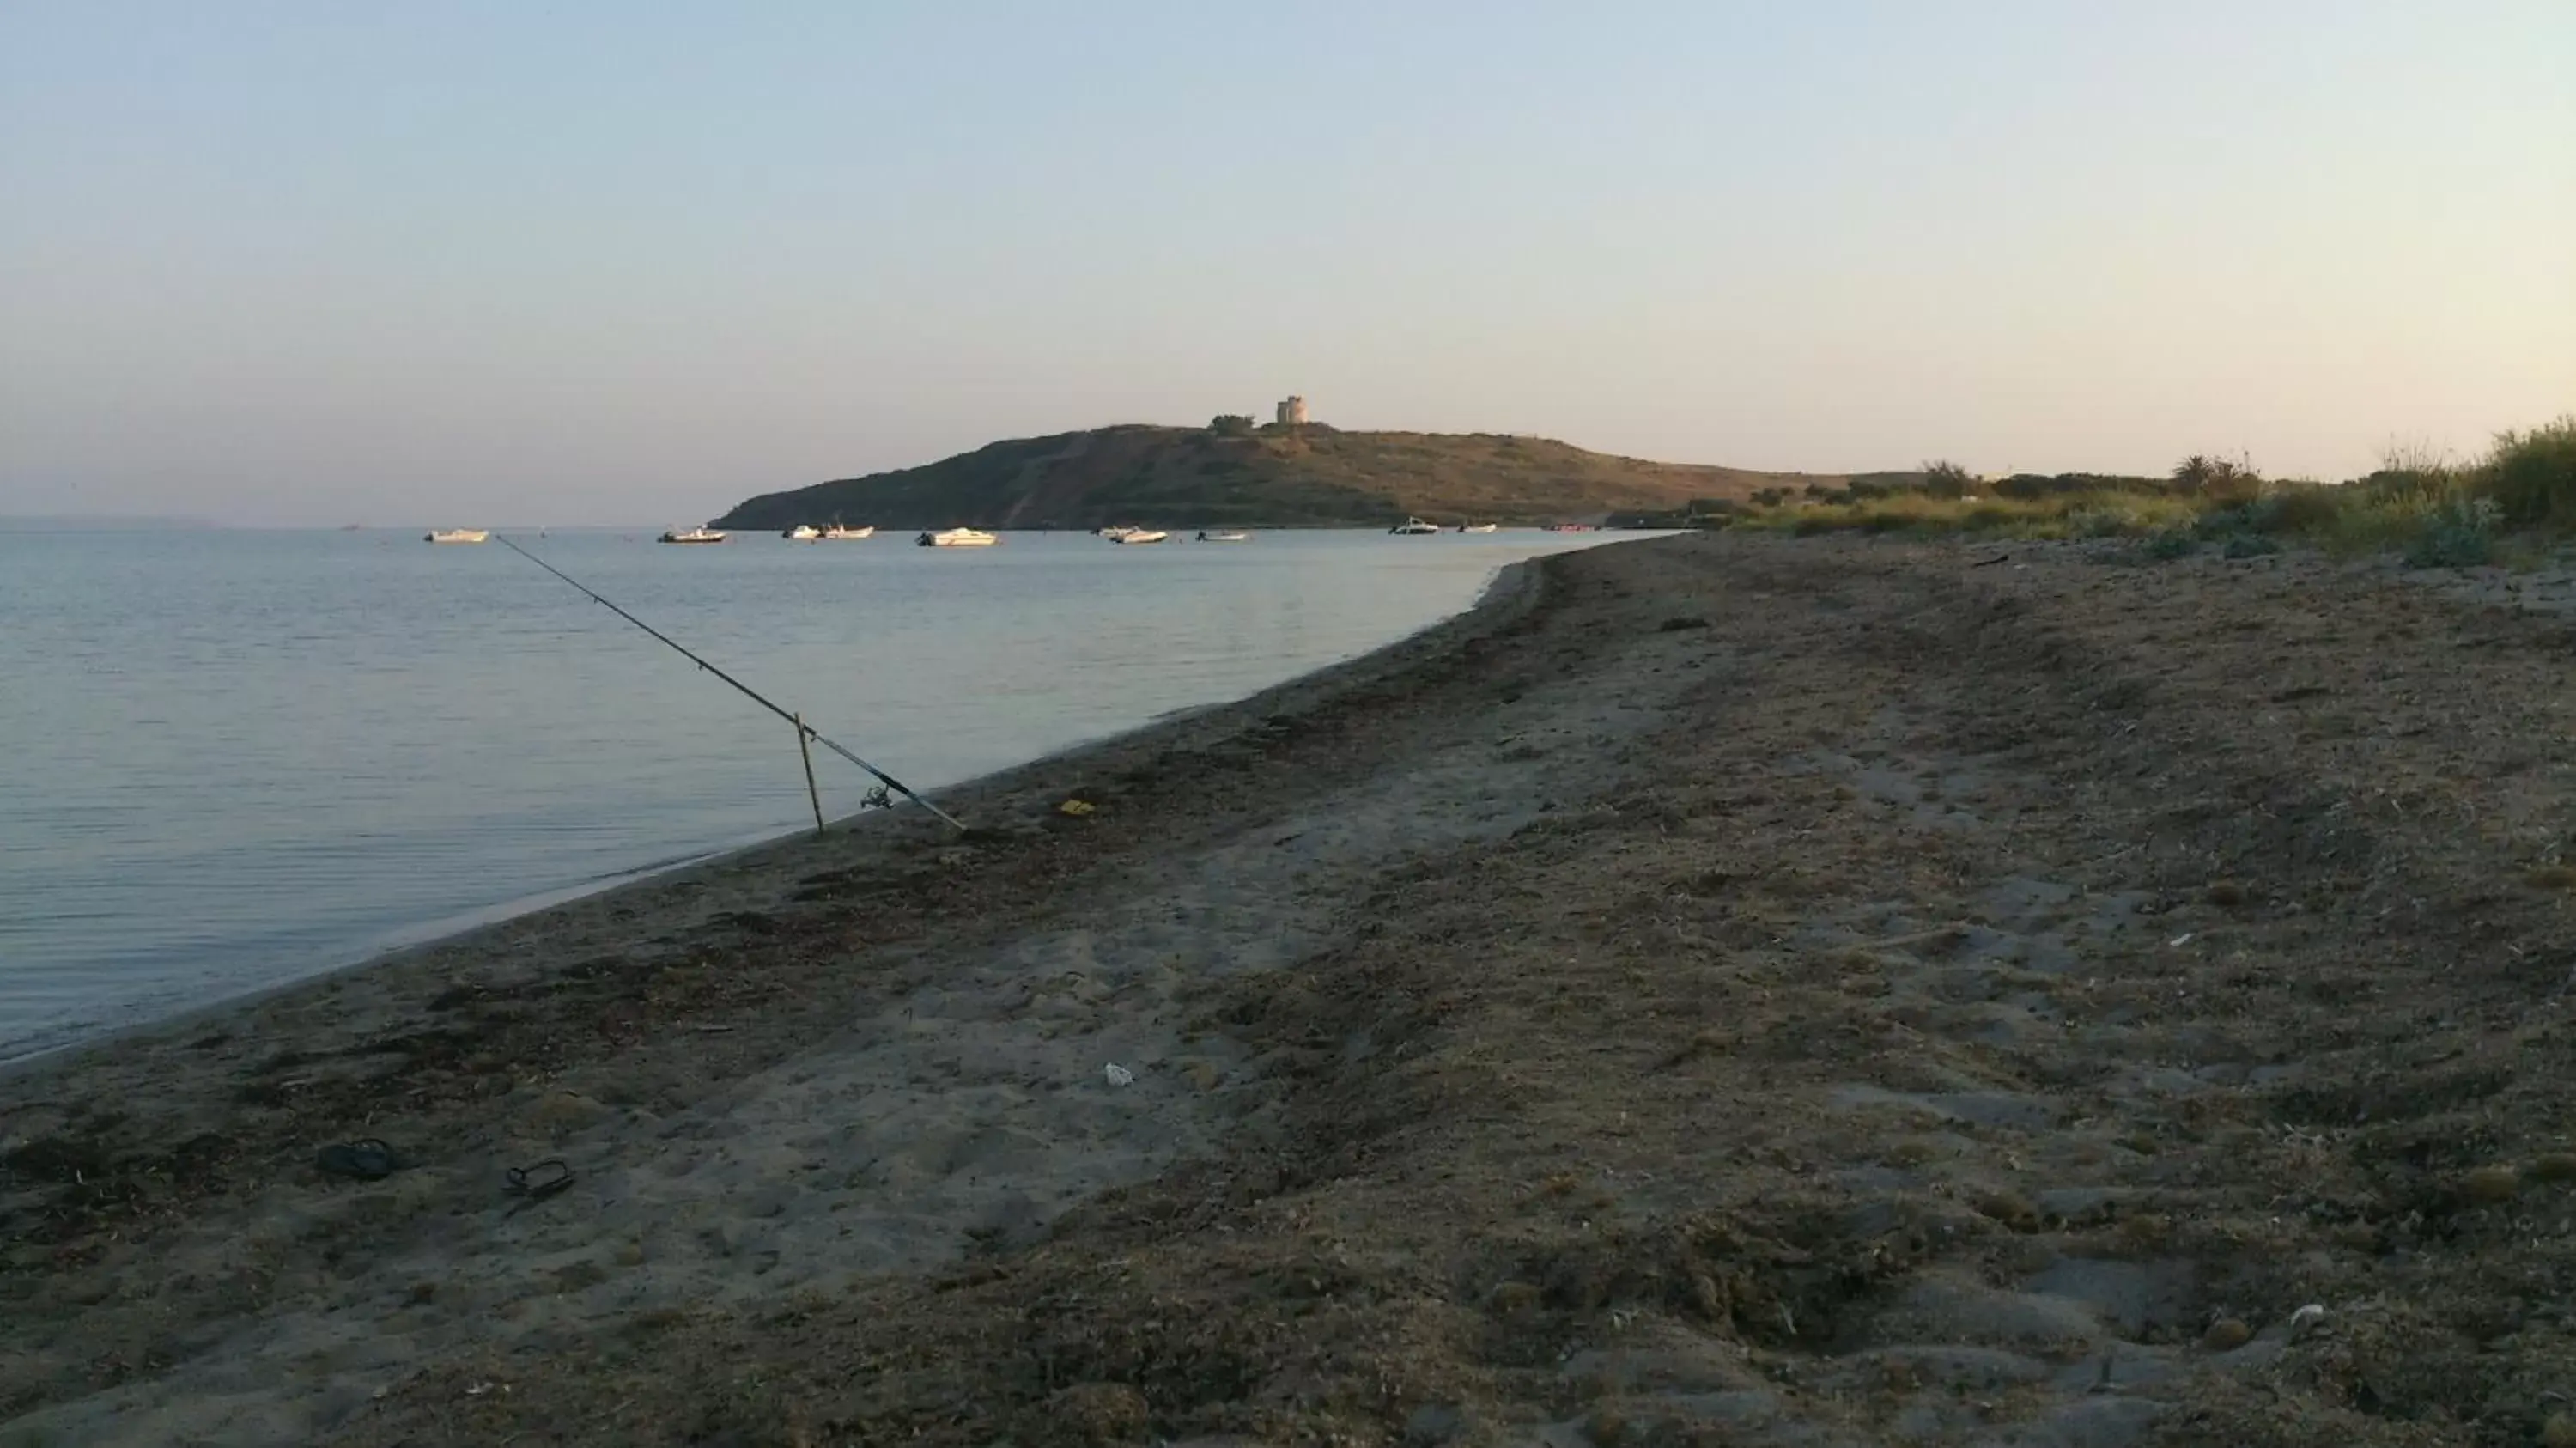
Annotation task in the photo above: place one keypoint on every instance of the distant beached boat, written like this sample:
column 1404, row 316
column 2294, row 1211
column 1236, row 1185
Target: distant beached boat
column 957, row 538
column 693, row 535
column 1414, row 527
column 457, row 535
column 1225, row 537
column 802, row 533
column 836, row 533
column 1140, row 535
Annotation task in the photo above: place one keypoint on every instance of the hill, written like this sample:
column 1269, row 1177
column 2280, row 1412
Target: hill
column 1311, row 475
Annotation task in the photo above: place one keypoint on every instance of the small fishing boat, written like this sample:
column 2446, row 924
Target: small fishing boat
column 1225, row 537
column 693, row 535
column 957, row 538
column 1480, row 527
column 802, row 533
column 837, row 534
column 457, row 535
column 1415, row 528
column 1114, row 532
column 1140, row 535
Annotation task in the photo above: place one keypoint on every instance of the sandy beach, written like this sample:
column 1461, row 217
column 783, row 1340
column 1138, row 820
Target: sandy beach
column 1720, row 990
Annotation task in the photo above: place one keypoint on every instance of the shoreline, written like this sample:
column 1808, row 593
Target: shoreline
column 463, row 928
column 1513, row 587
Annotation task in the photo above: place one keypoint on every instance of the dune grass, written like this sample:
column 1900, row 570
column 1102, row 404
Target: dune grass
column 2098, row 514
column 2433, row 511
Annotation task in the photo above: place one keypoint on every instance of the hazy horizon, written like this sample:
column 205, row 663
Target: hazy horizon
column 309, row 265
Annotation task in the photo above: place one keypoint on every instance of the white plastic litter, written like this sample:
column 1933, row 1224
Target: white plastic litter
column 1118, row 1075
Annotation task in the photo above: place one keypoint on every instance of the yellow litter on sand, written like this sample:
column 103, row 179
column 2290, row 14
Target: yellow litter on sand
column 1076, row 807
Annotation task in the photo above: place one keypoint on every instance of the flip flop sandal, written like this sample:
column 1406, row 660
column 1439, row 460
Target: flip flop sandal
column 366, row 1160
column 539, row 1180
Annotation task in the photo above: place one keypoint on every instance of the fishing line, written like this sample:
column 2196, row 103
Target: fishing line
column 888, row 780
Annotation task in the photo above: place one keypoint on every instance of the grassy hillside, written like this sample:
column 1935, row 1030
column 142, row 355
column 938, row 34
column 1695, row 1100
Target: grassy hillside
column 1270, row 477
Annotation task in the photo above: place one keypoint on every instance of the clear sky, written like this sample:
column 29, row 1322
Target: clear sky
column 510, row 262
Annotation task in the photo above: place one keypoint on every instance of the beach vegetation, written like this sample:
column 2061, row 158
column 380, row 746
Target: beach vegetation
column 2169, row 545
column 1945, row 479
column 2531, row 476
column 2430, row 509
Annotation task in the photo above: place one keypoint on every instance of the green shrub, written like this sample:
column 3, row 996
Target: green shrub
column 1945, row 479
column 2289, row 509
column 2459, row 535
column 2295, row 508
column 2220, row 523
column 2532, row 475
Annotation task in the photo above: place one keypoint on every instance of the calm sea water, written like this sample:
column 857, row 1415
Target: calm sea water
column 230, row 759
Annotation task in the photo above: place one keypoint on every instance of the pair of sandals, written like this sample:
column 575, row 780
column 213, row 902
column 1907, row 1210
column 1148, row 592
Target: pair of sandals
column 372, row 1159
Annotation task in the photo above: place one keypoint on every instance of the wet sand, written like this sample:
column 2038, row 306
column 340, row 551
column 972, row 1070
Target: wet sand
column 1720, row 990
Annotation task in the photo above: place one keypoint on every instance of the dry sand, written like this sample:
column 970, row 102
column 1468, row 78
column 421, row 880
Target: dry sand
column 1732, row 991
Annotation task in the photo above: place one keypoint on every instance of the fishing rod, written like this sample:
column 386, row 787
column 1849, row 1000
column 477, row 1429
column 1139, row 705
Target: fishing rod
column 803, row 729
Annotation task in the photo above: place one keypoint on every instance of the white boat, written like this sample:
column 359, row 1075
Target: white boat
column 457, row 535
column 1115, row 532
column 1414, row 527
column 802, row 533
column 1480, row 527
column 836, row 533
column 1140, row 535
column 957, row 538
column 693, row 535
column 1228, row 536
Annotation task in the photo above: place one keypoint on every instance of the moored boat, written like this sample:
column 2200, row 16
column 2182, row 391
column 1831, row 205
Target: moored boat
column 802, row 533
column 1414, row 528
column 1227, row 536
column 957, row 538
column 1140, row 535
column 456, row 535
column 836, row 533
column 693, row 535
column 1480, row 527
